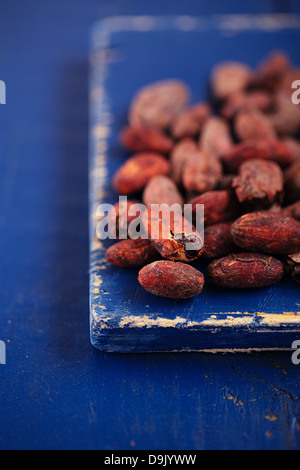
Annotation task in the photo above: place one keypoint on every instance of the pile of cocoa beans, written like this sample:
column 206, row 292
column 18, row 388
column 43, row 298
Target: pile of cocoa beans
column 239, row 156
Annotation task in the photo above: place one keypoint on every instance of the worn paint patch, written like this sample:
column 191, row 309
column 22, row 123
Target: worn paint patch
column 145, row 321
column 279, row 318
column 270, row 417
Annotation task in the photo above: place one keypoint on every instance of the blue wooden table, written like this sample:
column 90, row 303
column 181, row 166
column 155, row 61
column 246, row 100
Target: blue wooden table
column 56, row 390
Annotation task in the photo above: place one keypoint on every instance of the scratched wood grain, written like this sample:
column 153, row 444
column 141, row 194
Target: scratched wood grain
column 128, row 53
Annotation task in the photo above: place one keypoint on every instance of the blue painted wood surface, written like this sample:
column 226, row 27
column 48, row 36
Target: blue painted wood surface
column 57, row 391
column 132, row 52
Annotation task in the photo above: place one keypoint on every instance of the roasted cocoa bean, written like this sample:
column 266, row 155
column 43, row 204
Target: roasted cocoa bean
column 119, row 217
column 256, row 99
column 190, row 122
column 219, row 206
column 202, row 172
column 218, row 241
column 268, row 232
column 259, row 183
column 293, row 264
column 132, row 253
column 138, row 170
column 253, row 124
column 271, row 70
column 267, row 149
column 158, row 104
column 181, row 153
column 286, row 118
column 161, row 190
column 173, row 236
column 143, row 139
column 171, row 280
column 215, row 137
column 244, row 270
column 228, row 78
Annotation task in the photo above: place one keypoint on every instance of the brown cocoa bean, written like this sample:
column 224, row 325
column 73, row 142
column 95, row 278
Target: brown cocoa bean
column 268, row 232
column 259, row 183
column 215, row 136
column 293, row 265
column 202, row 172
column 161, row 190
column 190, row 122
column 219, row 206
column 229, row 77
column 180, row 154
column 267, row 149
column 253, row 124
column 141, row 139
column 218, row 241
column 132, row 253
column 157, row 105
column 173, row 236
column 286, row 118
column 119, row 217
column 138, row 170
column 171, row 280
column 244, row 270
column 256, row 99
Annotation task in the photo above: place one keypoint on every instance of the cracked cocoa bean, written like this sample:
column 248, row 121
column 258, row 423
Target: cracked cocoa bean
column 173, row 236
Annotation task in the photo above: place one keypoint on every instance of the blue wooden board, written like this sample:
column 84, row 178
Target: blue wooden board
column 129, row 53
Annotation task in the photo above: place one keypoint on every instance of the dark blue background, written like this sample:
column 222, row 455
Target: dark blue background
column 56, row 390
